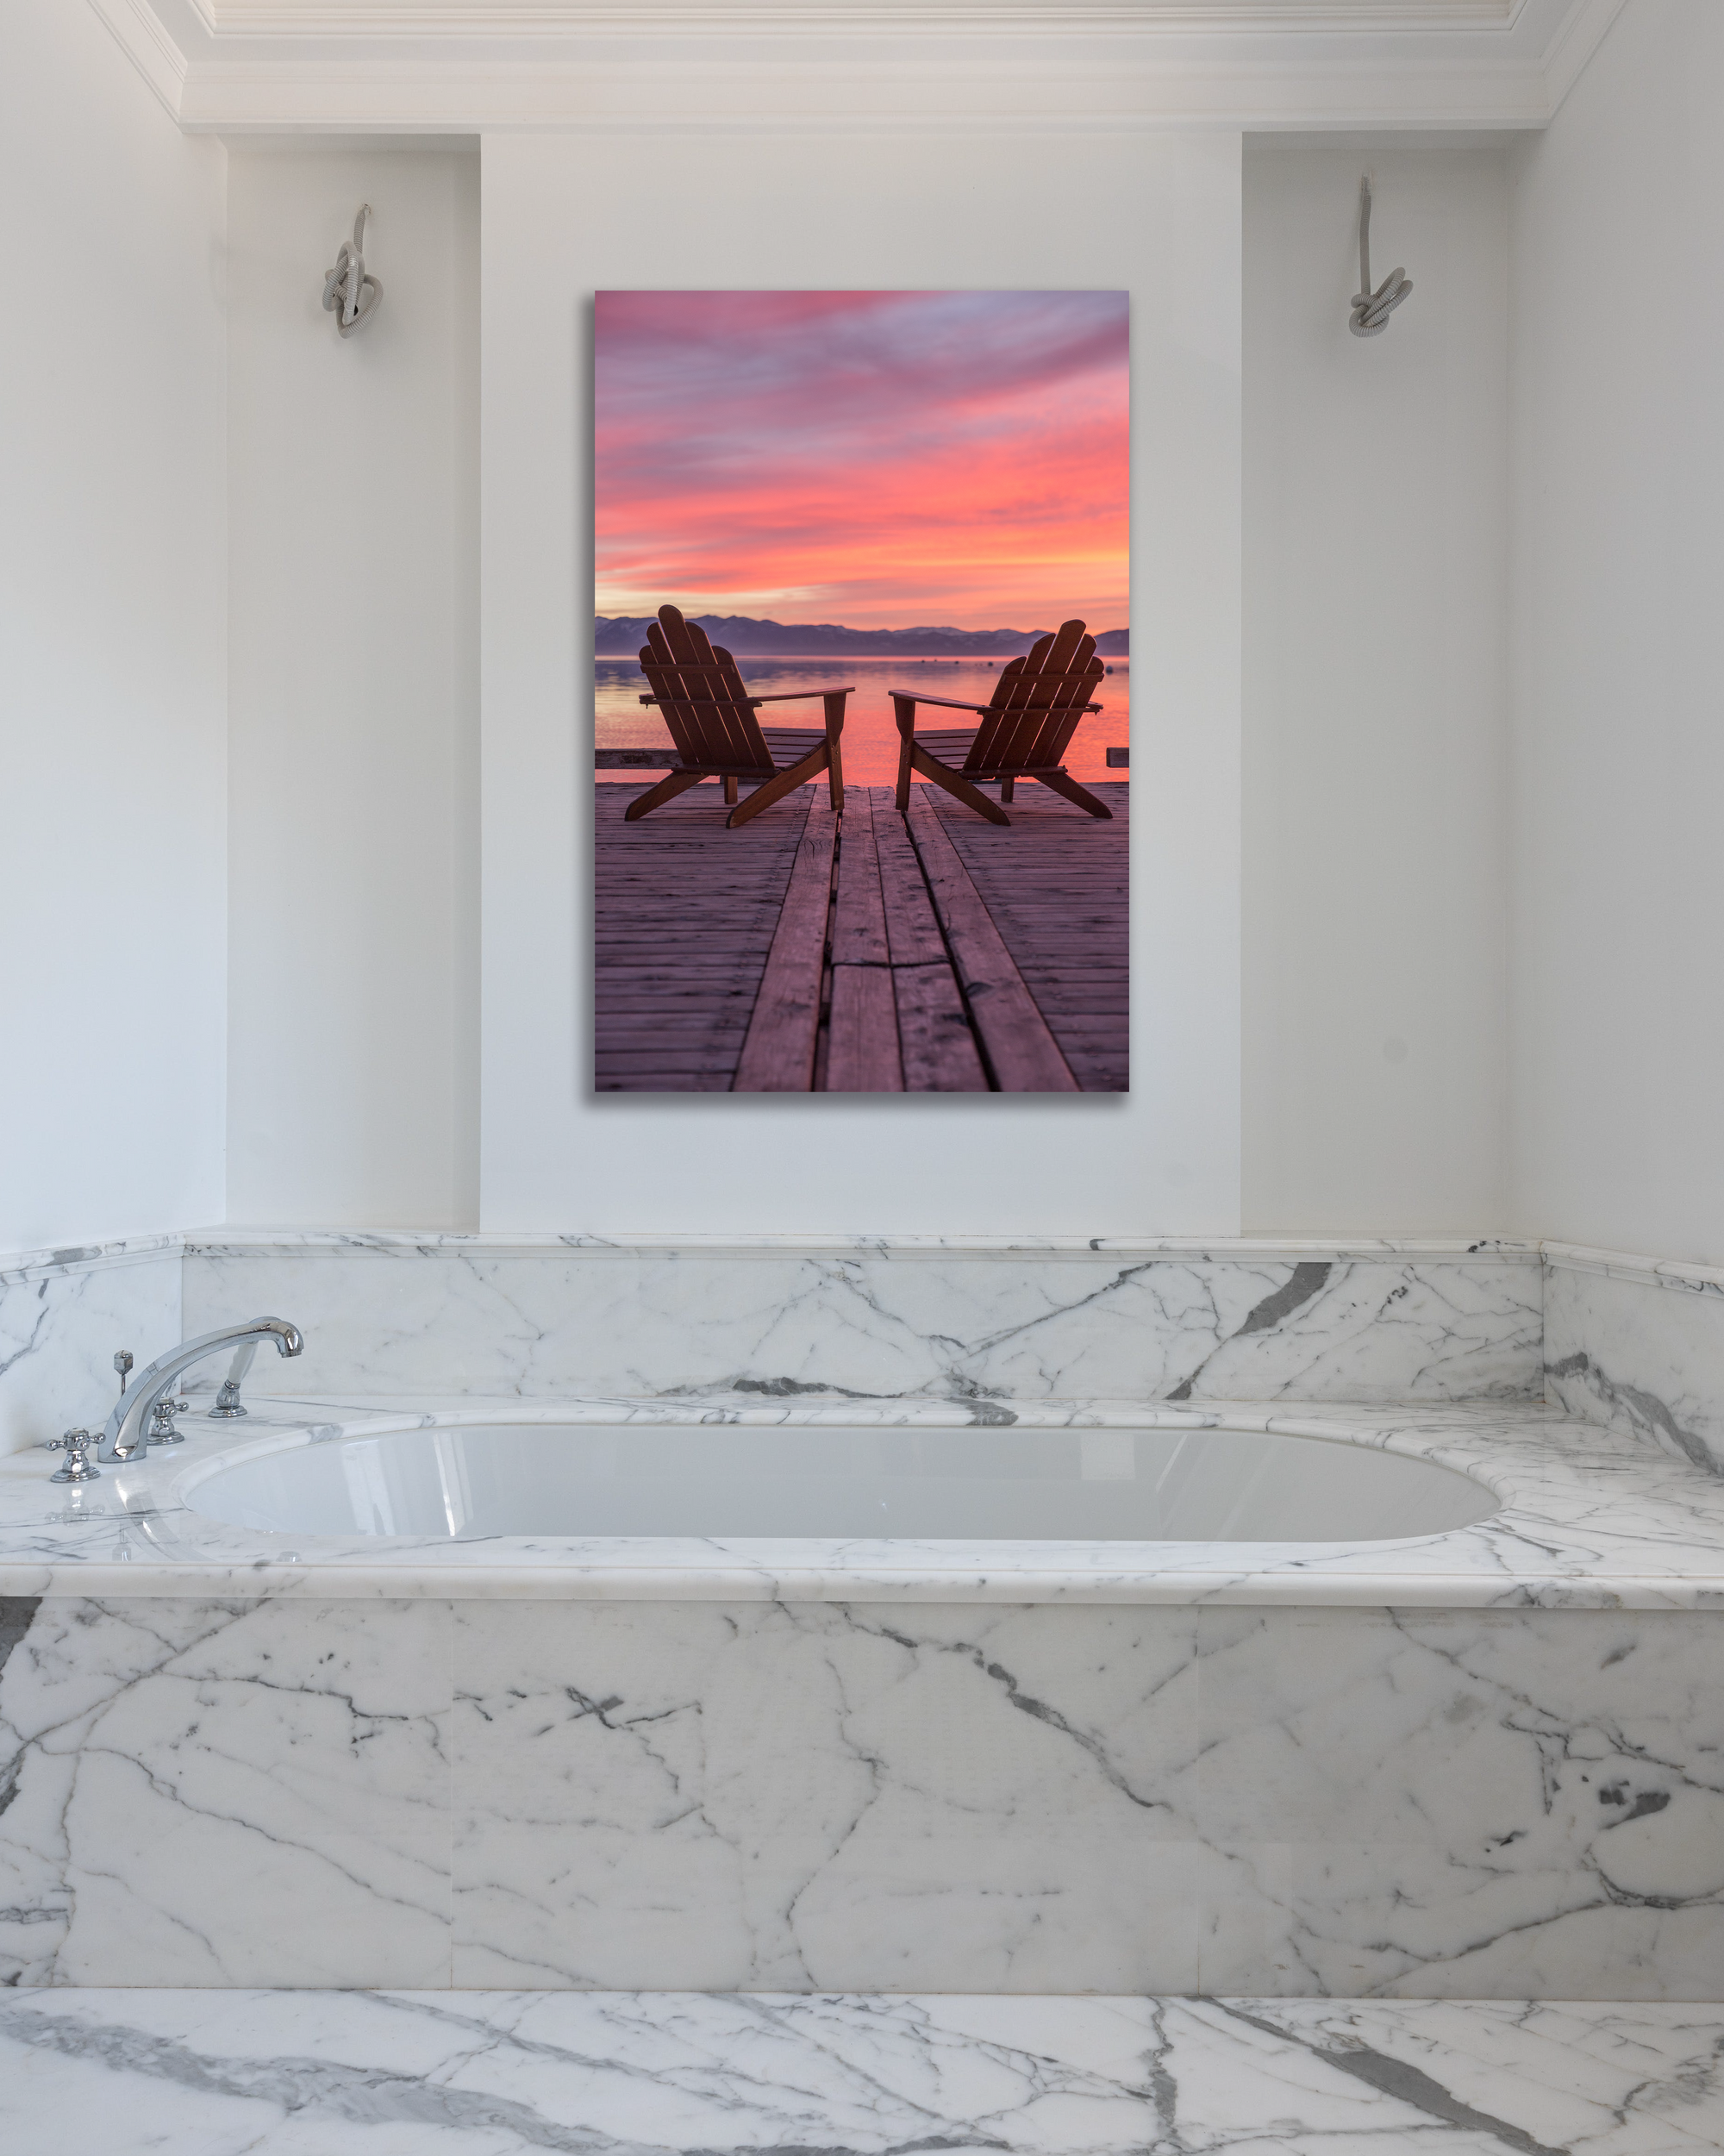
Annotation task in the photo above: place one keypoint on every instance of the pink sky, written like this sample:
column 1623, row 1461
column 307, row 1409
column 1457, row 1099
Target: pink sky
column 884, row 460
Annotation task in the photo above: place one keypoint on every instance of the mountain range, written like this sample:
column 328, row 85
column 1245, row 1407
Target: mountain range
column 621, row 636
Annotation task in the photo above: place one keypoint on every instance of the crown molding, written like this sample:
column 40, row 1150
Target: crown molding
column 147, row 44
column 412, row 66
column 384, row 19
column 1027, row 95
column 1575, row 43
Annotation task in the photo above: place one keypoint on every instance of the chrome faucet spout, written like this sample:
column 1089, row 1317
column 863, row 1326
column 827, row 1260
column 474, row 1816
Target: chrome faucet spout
column 126, row 1436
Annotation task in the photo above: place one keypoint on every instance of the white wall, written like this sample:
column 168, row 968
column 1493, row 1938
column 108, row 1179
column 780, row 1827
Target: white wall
column 354, row 892
column 111, row 644
column 563, row 215
column 1375, row 676
column 1619, row 572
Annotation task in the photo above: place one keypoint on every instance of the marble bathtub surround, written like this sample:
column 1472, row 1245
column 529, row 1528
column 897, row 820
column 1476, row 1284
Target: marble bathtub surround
column 1490, row 1763
column 62, row 1314
column 1635, row 1343
column 1341, row 1803
column 248, row 2073
column 860, row 1795
column 1638, row 1346
column 885, row 1317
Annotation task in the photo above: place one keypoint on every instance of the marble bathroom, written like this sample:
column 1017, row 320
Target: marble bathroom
column 1182, row 1620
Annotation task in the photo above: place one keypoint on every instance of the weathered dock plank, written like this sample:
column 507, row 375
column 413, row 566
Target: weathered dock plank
column 1022, row 1051
column 859, row 913
column 684, row 920
column 934, row 1035
column 1055, row 886
column 862, row 1028
column 778, row 1055
column 862, row 1052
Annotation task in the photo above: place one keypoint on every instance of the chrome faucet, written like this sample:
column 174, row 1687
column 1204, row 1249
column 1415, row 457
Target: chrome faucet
column 227, row 1408
column 126, row 1436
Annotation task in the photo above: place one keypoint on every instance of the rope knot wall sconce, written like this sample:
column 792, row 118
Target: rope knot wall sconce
column 351, row 293
column 1370, row 309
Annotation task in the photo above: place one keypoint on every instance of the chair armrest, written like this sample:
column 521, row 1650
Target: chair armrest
column 787, row 696
column 944, row 702
column 728, row 702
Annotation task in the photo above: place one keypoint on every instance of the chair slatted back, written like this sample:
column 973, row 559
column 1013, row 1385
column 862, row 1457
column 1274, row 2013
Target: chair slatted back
column 1037, row 703
column 701, row 696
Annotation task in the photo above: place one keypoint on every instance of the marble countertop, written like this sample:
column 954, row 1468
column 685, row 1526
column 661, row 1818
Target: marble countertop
column 1589, row 1519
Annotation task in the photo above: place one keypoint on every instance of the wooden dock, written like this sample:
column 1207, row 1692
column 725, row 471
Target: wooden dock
column 870, row 954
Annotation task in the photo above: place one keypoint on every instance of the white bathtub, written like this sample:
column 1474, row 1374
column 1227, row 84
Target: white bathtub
column 949, row 1484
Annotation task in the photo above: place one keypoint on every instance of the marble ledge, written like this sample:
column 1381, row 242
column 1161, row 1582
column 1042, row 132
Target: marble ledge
column 274, row 2073
column 24, row 1267
column 408, row 1242
column 237, row 1241
column 1590, row 1518
column 1620, row 1265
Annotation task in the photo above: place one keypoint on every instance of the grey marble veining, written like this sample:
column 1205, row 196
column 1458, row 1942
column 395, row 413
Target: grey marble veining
column 1344, row 1802
column 1639, row 1348
column 885, row 1319
column 1465, row 1805
column 402, row 2073
column 62, row 1316
column 864, row 1797
column 223, row 1794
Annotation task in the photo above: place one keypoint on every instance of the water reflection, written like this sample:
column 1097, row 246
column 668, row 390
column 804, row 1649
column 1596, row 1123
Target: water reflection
column 871, row 736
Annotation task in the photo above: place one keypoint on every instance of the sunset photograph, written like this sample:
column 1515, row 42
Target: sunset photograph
column 861, row 692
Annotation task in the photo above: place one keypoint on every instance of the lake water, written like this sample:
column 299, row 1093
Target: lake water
column 870, row 735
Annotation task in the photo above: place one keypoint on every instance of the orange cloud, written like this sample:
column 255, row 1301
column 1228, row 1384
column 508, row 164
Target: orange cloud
column 879, row 460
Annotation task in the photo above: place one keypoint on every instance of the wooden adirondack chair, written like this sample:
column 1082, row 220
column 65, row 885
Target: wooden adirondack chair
column 711, row 718
column 1025, row 729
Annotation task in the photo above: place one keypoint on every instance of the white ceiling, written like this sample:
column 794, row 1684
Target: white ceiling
column 417, row 66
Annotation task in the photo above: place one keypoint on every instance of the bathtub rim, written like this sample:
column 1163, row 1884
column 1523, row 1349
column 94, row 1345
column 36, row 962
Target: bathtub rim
column 1590, row 1519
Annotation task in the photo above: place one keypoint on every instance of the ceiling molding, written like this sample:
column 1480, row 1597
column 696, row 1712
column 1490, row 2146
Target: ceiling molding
column 412, row 66
column 148, row 47
column 1575, row 43
column 383, row 19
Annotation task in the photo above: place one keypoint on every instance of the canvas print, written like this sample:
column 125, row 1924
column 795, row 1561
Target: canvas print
column 861, row 692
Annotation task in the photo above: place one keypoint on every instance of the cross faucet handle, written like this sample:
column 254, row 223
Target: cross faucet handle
column 162, row 1431
column 75, row 1445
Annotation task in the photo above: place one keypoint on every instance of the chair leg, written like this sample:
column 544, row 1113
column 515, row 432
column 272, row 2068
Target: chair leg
column 835, row 705
column 730, row 793
column 1063, row 785
column 904, row 711
column 656, row 797
column 775, row 788
column 959, row 788
column 1006, row 787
